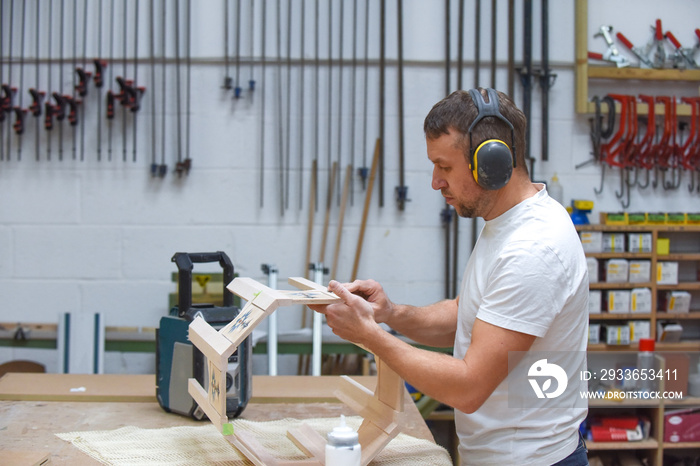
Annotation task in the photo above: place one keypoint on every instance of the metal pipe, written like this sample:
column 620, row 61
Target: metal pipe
column 302, row 66
column 163, row 168
column 494, row 24
column 545, row 80
column 382, row 77
column 477, row 42
column 263, row 51
column 526, row 77
column 511, row 49
column 460, row 45
column 446, row 212
column 401, row 189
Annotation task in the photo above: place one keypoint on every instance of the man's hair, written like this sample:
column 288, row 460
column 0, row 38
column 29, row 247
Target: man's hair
column 457, row 112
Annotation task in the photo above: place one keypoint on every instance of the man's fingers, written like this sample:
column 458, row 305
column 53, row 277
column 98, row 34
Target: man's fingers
column 339, row 290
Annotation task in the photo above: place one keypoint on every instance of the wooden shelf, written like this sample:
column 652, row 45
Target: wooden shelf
column 618, row 286
column 618, row 316
column 585, row 71
column 678, row 315
column 686, row 401
column 620, row 255
column 650, row 444
column 642, row 74
column 690, row 256
column 680, row 445
column 690, row 345
column 681, row 286
column 639, row 228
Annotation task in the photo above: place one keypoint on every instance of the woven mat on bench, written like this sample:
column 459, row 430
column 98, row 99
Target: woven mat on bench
column 204, row 445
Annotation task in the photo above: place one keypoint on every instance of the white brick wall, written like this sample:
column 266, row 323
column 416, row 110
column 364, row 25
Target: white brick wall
column 98, row 236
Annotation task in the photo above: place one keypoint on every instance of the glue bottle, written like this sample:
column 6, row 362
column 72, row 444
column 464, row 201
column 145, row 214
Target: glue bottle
column 343, row 447
column 645, row 365
column 555, row 189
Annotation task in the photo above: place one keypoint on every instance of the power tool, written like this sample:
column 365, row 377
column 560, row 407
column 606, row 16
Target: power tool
column 178, row 360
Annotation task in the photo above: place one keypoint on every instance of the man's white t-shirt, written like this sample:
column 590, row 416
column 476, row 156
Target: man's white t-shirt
column 527, row 273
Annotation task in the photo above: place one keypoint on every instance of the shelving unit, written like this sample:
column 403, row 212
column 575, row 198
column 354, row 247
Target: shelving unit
column 685, row 247
column 654, row 447
column 692, row 256
column 586, row 72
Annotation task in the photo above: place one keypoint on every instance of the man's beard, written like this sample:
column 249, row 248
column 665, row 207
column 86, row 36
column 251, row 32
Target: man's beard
column 466, row 211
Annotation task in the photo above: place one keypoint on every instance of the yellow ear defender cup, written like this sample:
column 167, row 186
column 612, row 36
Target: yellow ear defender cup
column 493, row 161
column 492, row 164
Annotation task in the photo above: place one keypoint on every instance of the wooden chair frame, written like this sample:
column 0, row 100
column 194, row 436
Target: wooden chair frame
column 381, row 410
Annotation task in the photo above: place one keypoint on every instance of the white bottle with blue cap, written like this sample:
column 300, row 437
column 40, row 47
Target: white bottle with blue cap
column 343, row 447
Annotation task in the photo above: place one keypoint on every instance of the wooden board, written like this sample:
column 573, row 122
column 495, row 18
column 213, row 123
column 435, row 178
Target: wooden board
column 239, row 328
column 24, row 458
column 44, row 418
column 266, row 389
column 302, row 389
column 78, row 387
column 213, row 345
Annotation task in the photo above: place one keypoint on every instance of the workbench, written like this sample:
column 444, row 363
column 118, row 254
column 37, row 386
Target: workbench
column 34, row 407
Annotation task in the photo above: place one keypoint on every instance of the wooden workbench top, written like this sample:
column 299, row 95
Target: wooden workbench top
column 142, row 388
column 29, row 422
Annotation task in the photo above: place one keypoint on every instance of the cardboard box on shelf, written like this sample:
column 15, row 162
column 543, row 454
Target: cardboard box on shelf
column 640, row 300
column 639, row 271
column 682, row 426
column 669, row 332
column 618, row 301
column 667, row 273
column 592, row 241
column 616, row 270
column 639, row 242
column 678, row 301
column 677, row 366
column 593, row 333
column 639, row 329
column 613, row 242
column 617, row 334
column 592, row 263
column 595, row 302
column 663, row 246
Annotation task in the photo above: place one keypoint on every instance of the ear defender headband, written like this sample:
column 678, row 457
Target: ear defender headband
column 493, row 161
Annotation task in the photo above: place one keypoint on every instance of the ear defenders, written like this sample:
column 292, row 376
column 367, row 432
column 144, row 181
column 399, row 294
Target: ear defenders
column 493, row 161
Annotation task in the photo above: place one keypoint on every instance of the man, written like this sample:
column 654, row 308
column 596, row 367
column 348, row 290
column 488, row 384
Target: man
column 525, row 289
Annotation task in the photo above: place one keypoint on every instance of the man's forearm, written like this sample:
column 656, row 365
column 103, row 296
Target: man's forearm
column 433, row 325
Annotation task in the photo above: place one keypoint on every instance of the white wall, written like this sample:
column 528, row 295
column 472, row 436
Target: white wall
column 88, row 236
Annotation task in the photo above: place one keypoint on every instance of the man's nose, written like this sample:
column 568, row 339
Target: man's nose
column 438, row 182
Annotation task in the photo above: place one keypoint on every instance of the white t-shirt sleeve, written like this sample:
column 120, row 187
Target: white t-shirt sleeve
column 526, row 288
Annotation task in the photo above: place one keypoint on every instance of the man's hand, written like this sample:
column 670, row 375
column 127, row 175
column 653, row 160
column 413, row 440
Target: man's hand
column 374, row 294
column 353, row 319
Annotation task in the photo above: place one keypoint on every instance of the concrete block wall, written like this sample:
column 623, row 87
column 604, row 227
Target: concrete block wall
column 89, row 236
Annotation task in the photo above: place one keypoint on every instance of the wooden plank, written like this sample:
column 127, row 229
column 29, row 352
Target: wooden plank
column 239, row 328
column 249, row 446
column 306, row 284
column 581, row 33
column 367, row 405
column 25, row 458
column 201, row 398
column 309, row 441
column 373, row 440
column 251, row 290
column 78, row 387
column 302, row 389
column 390, row 387
column 251, row 449
column 214, row 346
column 307, row 297
column 216, row 393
